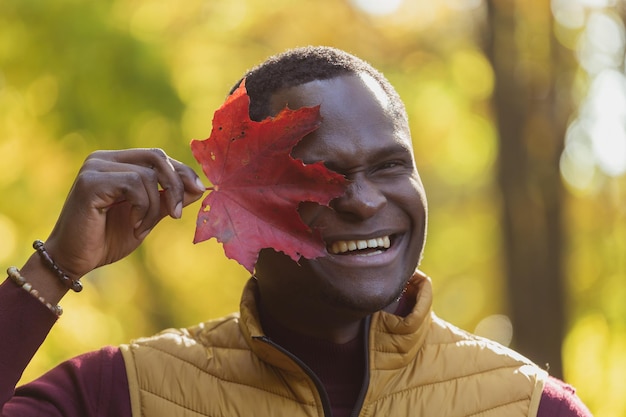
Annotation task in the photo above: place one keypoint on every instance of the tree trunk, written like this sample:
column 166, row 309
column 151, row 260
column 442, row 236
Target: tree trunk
column 531, row 118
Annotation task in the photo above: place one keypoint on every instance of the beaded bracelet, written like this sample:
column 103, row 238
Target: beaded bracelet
column 16, row 277
column 74, row 285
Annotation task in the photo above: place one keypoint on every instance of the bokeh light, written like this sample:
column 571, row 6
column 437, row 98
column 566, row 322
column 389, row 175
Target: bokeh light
column 378, row 7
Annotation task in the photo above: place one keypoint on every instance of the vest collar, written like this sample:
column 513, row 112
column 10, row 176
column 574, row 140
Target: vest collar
column 393, row 340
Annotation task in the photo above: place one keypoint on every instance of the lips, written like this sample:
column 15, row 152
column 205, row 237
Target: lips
column 346, row 246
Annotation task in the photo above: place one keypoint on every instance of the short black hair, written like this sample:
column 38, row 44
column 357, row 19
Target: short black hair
column 302, row 65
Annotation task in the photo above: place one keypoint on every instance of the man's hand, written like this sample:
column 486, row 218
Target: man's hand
column 116, row 200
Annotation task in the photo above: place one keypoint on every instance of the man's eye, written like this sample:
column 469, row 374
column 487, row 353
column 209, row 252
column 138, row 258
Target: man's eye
column 389, row 165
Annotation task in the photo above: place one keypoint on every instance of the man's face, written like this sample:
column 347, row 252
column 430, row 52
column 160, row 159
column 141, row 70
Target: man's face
column 375, row 232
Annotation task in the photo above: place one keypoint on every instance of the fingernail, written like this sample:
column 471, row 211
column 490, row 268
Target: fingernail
column 178, row 210
column 200, row 185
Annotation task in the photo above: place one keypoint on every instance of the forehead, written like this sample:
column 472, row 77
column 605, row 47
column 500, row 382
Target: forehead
column 358, row 117
column 352, row 89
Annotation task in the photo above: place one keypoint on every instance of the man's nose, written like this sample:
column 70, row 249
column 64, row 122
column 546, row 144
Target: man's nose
column 361, row 200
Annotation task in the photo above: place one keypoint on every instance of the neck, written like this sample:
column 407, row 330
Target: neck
column 328, row 325
column 291, row 294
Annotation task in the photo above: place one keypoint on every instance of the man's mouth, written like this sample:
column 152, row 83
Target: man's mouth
column 364, row 246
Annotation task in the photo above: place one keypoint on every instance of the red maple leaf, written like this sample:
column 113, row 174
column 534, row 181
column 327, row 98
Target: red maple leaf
column 257, row 185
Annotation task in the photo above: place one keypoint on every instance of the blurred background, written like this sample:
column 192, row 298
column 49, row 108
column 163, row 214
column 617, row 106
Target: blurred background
column 518, row 114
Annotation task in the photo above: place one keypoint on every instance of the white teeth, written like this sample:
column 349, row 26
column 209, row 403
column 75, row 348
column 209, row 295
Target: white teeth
column 342, row 246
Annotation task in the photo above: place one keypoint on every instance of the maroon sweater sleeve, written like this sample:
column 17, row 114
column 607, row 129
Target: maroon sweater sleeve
column 560, row 400
column 91, row 385
column 24, row 324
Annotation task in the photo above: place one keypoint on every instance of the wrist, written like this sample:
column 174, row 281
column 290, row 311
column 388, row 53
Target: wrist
column 16, row 276
column 72, row 284
column 43, row 279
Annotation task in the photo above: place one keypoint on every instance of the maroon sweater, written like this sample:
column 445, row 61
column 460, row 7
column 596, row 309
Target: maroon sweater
column 95, row 384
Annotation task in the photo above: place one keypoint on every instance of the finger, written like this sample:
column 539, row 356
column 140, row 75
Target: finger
column 139, row 201
column 156, row 169
column 150, row 213
column 132, row 188
column 158, row 161
column 116, row 181
column 180, row 183
column 192, row 184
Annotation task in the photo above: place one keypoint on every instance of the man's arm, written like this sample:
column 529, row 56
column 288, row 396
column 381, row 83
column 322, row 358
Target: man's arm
column 115, row 201
column 24, row 324
column 90, row 385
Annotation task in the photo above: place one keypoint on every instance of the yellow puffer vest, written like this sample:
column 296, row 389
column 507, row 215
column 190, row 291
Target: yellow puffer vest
column 419, row 365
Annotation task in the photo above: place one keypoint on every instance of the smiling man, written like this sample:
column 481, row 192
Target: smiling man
column 349, row 333
column 375, row 232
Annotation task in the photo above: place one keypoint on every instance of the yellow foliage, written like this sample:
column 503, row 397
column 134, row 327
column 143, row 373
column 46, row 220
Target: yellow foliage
column 161, row 68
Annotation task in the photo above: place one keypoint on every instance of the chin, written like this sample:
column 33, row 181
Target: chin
column 363, row 300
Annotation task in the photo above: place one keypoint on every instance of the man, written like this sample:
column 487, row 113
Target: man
column 349, row 333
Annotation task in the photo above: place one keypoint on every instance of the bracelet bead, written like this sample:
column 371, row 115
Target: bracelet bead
column 74, row 285
column 21, row 282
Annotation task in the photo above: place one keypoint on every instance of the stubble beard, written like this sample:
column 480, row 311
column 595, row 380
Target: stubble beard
column 361, row 304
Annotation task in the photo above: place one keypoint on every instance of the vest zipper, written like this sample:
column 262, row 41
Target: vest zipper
column 318, row 384
column 366, row 375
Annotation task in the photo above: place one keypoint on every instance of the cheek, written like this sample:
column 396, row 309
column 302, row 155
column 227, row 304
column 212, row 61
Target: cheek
column 410, row 196
column 415, row 198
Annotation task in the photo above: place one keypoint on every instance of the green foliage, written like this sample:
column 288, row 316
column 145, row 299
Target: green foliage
column 91, row 76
